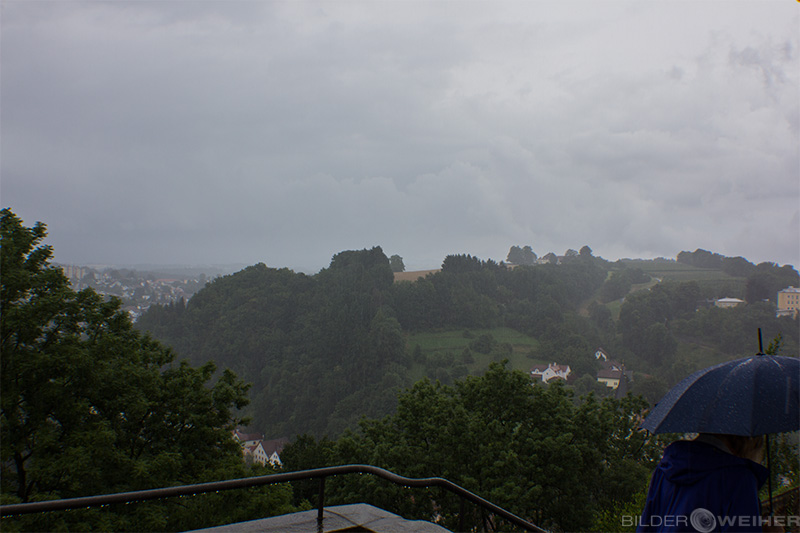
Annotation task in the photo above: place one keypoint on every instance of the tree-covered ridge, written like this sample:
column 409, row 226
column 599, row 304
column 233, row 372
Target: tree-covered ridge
column 307, row 343
column 320, row 348
column 324, row 350
column 92, row 406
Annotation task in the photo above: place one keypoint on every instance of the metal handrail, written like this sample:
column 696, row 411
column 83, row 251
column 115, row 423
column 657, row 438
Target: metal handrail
column 215, row 486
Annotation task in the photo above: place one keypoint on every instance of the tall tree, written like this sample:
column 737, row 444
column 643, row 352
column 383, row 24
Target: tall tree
column 515, row 255
column 528, row 255
column 521, row 256
column 89, row 405
column 396, row 262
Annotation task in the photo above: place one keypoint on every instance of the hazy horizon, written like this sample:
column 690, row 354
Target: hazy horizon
column 235, row 267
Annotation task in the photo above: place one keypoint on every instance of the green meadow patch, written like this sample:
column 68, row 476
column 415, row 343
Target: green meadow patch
column 442, row 345
column 674, row 271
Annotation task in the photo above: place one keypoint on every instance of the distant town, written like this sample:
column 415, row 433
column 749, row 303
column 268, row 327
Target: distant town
column 139, row 289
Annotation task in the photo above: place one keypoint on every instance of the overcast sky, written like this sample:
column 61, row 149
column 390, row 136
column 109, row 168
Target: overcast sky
column 191, row 132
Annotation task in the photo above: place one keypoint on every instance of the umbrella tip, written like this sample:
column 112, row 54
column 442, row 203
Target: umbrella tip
column 760, row 343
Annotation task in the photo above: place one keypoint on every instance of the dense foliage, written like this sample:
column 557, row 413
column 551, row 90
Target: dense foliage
column 535, row 451
column 91, row 406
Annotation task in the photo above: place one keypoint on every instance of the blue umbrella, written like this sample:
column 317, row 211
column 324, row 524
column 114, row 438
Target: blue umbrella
column 756, row 395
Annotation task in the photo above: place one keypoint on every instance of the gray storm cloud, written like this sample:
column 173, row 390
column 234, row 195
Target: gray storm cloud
column 284, row 132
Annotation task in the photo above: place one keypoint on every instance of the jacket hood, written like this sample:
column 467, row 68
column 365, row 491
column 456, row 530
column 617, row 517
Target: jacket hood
column 688, row 462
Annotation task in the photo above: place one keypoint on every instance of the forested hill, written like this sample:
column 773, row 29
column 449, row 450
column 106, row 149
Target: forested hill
column 322, row 351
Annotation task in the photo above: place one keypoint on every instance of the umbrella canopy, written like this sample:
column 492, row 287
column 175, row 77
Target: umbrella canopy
column 756, row 395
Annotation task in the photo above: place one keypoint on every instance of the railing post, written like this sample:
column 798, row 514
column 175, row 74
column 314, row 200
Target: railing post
column 461, row 513
column 320, row 503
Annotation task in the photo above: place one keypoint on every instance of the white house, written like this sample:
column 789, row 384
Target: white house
column 601, row 355
column 551, row 371
column 257, row 452
column 727, row 303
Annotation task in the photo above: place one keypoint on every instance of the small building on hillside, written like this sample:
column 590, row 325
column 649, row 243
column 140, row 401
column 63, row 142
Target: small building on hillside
column 601, row 355
column 551, row 371
column 612, row 373
column 609, row 377
column 247, row 439
column 256, row 453
column 259, row 450
column 788, row 302
column 272, row 450
column 728, row 303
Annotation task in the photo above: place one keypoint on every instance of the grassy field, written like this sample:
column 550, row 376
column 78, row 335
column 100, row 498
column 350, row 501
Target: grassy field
column 672, row 270
column 711, row 281
column 454, row 342
column 414, row 275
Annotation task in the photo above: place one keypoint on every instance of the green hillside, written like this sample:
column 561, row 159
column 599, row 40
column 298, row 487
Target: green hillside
column 450, row 346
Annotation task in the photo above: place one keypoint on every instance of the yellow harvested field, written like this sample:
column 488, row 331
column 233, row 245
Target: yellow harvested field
column 413, row 276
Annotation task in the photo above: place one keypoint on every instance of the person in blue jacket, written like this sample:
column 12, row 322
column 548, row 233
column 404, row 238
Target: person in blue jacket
column 707, row 484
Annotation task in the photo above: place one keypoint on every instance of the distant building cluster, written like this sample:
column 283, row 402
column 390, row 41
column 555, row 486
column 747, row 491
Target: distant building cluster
column 258, row 450
column 788, row 302
column 137, row 290
column 611, row 373
column 75, row 273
